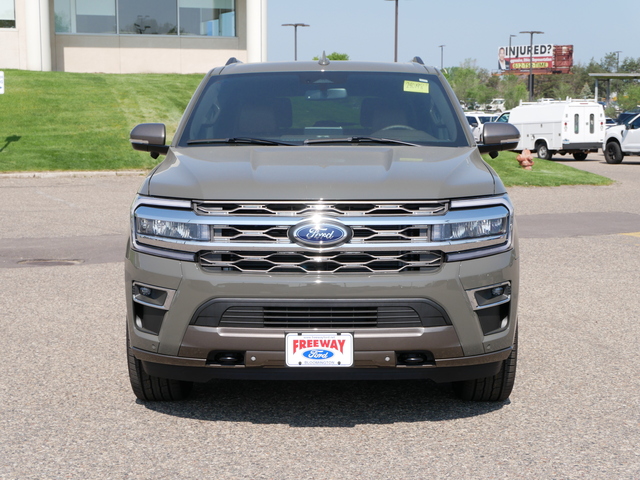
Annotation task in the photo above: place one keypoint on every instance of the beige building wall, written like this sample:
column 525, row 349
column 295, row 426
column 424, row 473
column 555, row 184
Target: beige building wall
column 13, row 41
column 143, row 53
column 10, row 48
column 125, row 53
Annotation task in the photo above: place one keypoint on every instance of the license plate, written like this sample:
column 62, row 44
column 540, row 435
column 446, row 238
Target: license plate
column 319, row 350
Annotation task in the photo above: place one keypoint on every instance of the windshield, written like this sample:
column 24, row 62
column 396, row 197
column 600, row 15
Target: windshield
column 301, row 107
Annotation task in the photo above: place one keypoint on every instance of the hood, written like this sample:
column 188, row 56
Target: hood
column 353, row 172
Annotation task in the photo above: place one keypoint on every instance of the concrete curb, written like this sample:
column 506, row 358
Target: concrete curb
column 63, row 174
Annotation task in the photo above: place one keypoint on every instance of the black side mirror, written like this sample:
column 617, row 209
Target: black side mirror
column 497, row 137
column 150, row 137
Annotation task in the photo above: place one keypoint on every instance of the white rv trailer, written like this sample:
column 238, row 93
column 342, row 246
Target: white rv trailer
column 552, row 126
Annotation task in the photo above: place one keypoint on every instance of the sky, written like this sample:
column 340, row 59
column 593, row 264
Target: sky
column 364, row 29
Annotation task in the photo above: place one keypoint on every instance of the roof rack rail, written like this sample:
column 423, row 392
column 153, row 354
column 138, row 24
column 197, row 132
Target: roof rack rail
column 232, row 60
column 417, row 60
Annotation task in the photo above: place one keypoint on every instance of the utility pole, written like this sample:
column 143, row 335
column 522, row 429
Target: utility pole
column 532, row 33
column 395, row 48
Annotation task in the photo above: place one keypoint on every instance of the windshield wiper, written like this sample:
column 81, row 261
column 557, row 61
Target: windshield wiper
column 387, row 141
column 236, row 140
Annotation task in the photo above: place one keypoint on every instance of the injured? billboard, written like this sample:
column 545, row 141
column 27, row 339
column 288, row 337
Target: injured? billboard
column 518, row 57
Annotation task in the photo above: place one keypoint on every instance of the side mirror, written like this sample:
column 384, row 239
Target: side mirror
column 497, row 137
column 150, row 137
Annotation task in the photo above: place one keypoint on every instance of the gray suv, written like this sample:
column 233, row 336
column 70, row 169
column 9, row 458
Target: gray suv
column 322, row 221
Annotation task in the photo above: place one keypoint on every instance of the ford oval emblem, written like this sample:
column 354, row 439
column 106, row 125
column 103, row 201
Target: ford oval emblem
column 318, row 354
column 320, row 233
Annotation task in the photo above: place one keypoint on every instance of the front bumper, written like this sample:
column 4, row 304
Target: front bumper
column 457, row 349
column 369, row 365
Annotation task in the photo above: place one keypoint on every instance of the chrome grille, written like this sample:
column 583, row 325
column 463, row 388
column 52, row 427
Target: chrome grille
column 294, row 209
column 316, row 262
column 361, row 234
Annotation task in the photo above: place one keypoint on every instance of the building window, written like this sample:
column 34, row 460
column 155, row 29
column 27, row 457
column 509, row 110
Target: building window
column 85, row 16
column 7, row 14
column 208, row 17
column 146, row 17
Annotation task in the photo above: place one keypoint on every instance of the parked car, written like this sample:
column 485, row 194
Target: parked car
column 624, row 117
column 622, row 140
column 322, row 221
column 477, row 120
column 571, row 126
column 496, row 105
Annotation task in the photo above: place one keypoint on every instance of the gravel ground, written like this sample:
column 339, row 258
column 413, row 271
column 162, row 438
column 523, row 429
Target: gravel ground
column 67, row 410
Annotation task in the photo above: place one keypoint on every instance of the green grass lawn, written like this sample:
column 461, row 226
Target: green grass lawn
column 78, row 121
column 544, row 173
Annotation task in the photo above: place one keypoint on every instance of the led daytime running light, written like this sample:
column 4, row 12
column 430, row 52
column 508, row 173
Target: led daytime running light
column 176, row 230
column 470, row 230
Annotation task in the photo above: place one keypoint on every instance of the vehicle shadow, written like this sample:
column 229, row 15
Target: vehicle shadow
column 337, row 404
column 8, row 141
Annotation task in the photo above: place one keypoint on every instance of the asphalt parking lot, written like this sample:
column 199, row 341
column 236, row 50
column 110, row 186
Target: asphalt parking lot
column 67, row 410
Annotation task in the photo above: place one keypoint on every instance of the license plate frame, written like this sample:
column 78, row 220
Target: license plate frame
column 315, row 349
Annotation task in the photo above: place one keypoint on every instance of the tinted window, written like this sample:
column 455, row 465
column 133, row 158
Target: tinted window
column 293, row 107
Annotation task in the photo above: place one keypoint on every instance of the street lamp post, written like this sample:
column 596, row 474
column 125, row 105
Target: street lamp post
column 441, row 56
column 395, row 48
column 532, row 33
column 509, row 52
column 295, row 36
column 617, row 85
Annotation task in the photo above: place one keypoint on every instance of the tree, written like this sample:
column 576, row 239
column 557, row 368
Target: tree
column 470, row 83
column 586, row 91
column 562, row 90
column 610, row 62
column 631, row 99
column 513, row 89
column 630, row 65
column 335, row 56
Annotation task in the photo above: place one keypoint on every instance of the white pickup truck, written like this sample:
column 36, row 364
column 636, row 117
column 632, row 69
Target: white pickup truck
column 621, row 140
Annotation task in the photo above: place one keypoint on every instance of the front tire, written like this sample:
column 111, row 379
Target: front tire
column 491, row 389
column 543, row 151
column 153, row 389
column 613, row 153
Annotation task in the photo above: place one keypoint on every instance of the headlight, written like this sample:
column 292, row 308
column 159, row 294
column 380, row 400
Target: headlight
column 476, row 229
column 168, row 229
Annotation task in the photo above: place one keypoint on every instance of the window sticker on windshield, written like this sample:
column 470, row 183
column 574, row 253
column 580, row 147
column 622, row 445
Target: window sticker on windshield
column 417, row 87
